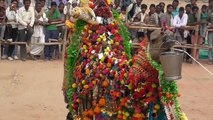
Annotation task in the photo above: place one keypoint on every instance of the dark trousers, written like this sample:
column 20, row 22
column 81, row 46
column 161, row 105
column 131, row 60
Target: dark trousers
column 49, row 49
column 11, row 33
column 24, row 36
column 188, row 50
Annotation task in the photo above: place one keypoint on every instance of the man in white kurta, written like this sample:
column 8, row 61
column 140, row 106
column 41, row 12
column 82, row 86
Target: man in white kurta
column 38, row 35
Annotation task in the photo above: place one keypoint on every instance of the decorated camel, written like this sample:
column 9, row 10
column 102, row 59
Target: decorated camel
column 104, row 82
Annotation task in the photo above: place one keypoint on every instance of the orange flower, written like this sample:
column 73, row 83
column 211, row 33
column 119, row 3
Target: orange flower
column 102, row 102
column 105, row 84
column 87, row 71
column 90, row 113
column 97, row 110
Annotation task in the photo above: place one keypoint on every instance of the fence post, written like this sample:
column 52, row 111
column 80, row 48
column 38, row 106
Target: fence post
column 64, row 43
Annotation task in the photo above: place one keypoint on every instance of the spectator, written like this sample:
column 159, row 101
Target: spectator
column 126, row 3
column 210, row 33
column 142, row 15
column 193, row 3
column 57, row 2
column 26, row 16
column 2, row 27
column 159, row 13
column 133, row 9
column 151, row 19
column 44, row 7
column 69, row 7
column 122, row 15
column 180, row 21
column 11, row 31
column 2, row 20
column 188, row 8
column 192, row 21
column 116, row 5
column 20, row 3
column 167, row 17
column 61, row 29
column 61, row 10
column 2, row 3
column 51, row 30
column 38, row 35
column 162, row 5
column 203, row 22
column 175, row 4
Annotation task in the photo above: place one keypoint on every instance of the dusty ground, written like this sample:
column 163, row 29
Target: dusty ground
column 31, row 90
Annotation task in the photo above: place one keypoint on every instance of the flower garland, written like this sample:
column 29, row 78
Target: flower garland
column 169, row 88
column 124, row 33
column 73, row 53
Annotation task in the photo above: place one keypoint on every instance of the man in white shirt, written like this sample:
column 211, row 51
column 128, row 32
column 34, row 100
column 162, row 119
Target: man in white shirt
column 133, row 9
column 11, row 29
column 26, row 16
column 180, row 20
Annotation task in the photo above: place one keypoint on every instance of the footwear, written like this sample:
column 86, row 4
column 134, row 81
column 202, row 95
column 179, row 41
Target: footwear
column 23, row 59
column 4, row 57
column 32, row 56
column 51, row 59
column 10, row 58
column 10, row 40
column 15, row 57
column 46, row 59
column 189, row 60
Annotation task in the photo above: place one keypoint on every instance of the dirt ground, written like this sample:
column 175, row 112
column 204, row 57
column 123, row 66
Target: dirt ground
column 31, row 90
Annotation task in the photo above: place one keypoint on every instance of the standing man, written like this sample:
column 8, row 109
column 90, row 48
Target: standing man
column 175, row 4
column 194, row 3
column 26, row 15
column 167, row 17
column 51, row 30
column 133, row 9
column 11, row 31
column 38, row 35
column 180, row 20
column 210, row 34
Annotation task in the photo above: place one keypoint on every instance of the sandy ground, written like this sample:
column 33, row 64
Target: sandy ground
column 31, row 90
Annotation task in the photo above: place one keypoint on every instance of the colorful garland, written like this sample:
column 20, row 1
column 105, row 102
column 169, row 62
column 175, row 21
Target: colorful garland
column 72, row 57
column 170, row 89
column 124, row 33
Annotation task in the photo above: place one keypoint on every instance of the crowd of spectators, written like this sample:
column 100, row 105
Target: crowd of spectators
column 32, row 21
column 171, row 15
column 32, row 17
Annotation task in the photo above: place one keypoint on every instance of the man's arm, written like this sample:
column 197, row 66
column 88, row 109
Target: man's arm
column 32, row 18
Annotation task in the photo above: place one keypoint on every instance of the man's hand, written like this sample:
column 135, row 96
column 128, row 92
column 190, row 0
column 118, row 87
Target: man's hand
column 29, row 27
column 49, row 21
